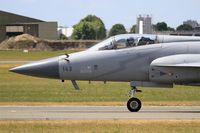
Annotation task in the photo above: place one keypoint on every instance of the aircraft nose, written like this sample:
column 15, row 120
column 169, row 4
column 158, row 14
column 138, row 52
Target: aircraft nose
column 48, row 68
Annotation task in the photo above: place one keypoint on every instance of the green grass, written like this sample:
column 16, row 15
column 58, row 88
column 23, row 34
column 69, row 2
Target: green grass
column 34, row 55
column 20, row 88
column 102, row 126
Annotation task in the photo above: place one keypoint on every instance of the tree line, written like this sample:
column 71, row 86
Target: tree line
column 92, row 28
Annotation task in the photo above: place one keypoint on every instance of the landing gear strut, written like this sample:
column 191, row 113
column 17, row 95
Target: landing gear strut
column 134, row 104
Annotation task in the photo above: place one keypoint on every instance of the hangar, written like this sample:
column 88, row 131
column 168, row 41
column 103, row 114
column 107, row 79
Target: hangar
column 13, row 24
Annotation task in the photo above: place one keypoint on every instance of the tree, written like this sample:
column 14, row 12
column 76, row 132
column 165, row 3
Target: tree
column 161, row 26
column 170, row 29
column 83, row 31
column 93, row 24
column 184, row 27
column 117, row 29
column 133, row 29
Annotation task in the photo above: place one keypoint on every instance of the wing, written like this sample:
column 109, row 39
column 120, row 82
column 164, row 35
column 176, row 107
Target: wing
column 182, row 60
column 181, row 69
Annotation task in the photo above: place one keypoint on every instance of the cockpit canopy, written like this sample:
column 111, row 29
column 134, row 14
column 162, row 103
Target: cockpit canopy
column 124, row 41
column 133, row 40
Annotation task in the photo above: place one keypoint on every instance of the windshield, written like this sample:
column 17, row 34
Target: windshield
column 120, row 43
column 106, row 44
column 124, row 41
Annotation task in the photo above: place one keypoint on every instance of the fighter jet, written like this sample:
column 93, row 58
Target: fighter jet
column 142, row 60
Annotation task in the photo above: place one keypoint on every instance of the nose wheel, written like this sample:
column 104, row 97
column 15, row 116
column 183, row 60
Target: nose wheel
column 134, row 104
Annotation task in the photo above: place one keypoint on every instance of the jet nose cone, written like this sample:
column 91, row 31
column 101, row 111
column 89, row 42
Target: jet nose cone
column 48, row 68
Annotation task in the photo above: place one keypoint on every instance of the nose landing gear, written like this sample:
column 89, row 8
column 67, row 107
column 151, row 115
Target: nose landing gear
column 134, row 104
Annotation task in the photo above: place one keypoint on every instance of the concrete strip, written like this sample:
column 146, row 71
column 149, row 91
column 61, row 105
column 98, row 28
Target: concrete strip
column 96, row 112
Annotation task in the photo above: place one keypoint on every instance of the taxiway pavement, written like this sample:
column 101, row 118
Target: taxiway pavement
column 96, row 112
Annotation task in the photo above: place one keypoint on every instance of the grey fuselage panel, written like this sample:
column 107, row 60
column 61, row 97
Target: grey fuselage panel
column 131, row 64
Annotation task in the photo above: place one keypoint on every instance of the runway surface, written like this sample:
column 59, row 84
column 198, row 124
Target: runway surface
column 96, row 112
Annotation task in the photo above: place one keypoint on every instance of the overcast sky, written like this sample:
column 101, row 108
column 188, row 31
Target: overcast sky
column 69, row 12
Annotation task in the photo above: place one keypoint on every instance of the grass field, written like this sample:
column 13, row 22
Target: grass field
column 25, row 89
column 19, row 55
column 101, row 126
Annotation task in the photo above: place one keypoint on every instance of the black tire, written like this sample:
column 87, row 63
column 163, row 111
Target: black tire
column 134, row 104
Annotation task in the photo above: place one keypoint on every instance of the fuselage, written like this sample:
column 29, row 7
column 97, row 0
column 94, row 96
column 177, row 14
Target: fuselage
column 131, row 64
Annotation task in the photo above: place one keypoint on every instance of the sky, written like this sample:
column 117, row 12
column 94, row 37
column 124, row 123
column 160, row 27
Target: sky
column 70, row 12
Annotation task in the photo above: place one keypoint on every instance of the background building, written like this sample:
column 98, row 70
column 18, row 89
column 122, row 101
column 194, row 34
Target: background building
column 66, row 31
column 13, row 24
column 144, row 23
